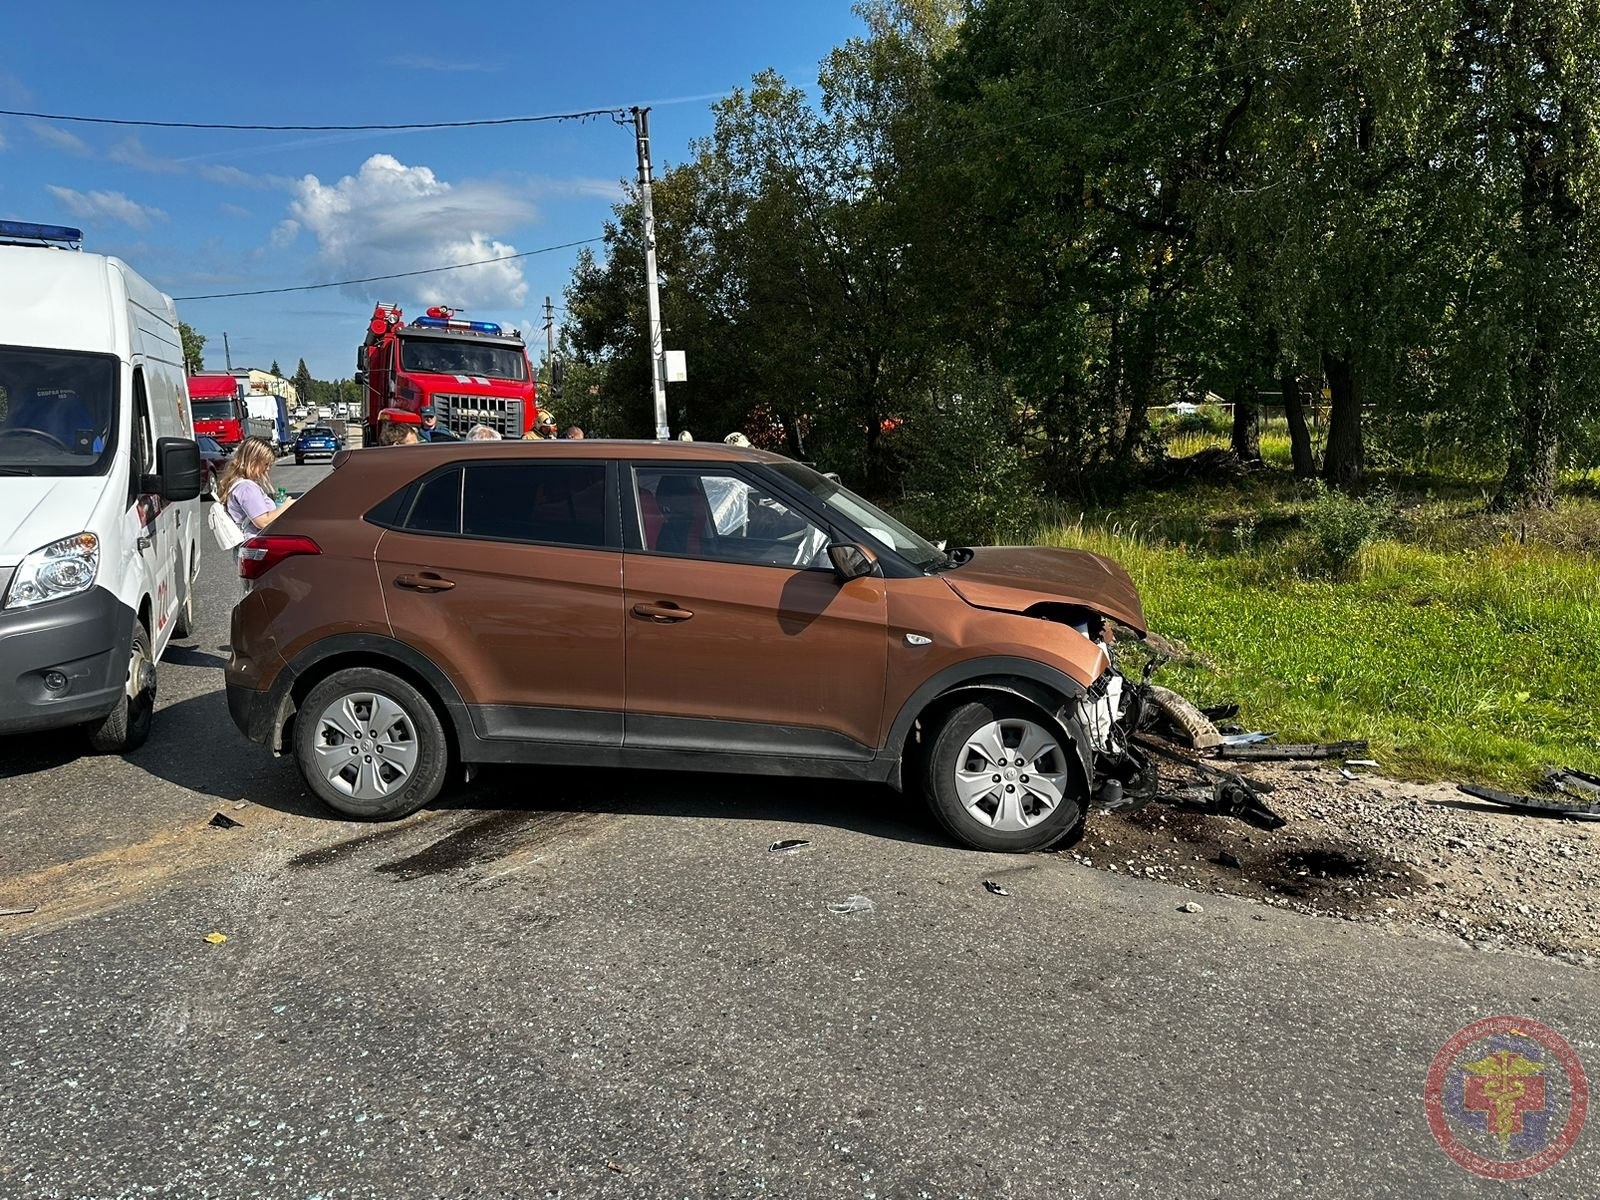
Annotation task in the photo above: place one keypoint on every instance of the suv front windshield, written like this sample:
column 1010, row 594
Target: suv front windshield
column 463, row 356
column 879, row 525
column 57, row 411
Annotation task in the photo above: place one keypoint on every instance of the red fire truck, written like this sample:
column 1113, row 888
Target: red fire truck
column 471, row 372
column 218, row 409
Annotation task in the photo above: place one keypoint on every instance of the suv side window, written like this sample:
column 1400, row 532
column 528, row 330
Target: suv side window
column 718, row 514
column 437, row 507
column 549, row 502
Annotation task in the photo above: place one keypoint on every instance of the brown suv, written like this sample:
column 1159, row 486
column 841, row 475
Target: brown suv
column 678, row 605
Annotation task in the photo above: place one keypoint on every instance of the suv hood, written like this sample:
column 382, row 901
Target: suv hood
column 1015, row 578
column 35, row 511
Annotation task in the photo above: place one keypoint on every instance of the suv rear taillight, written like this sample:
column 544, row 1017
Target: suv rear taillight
column 265, row 551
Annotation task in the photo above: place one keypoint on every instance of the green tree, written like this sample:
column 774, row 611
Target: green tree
column 194, row 347
column 304, row 385
column 274, row 369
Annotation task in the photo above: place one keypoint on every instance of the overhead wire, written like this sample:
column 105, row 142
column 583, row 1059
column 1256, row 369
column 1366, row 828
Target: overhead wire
column 312, row 287
column 273, row 128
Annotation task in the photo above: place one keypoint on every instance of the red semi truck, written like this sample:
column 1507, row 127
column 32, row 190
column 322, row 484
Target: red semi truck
column 218, row 409
column 471, row 372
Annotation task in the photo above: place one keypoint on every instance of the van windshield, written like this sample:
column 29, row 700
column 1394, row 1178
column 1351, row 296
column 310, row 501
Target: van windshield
column 213, row 410
column 58, row 411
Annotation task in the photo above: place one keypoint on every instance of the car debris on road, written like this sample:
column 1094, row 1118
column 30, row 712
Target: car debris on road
column 1548, row 806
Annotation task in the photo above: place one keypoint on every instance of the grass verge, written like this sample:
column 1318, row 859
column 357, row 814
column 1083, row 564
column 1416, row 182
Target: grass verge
column 1479, row 663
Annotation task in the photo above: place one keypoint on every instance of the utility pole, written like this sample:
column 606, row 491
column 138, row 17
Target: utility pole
column 227, row 354
column 550, row 342
column 641, row 135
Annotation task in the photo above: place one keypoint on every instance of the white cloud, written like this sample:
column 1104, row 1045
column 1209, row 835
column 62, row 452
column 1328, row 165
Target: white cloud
column 426, row 62
column 61, row 139
column 389, row 218
column 130, row 152
column 284, row 232
column 235, row 210
column 108, row 206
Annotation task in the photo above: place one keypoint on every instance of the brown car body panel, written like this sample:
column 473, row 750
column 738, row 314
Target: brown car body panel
column 765, row 644
column 530, row 629
column 1015, row 578
column 958, row 633
column 521, row 625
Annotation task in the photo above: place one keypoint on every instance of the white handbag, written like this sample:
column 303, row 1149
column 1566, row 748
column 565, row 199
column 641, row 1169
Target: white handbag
column 223, row 527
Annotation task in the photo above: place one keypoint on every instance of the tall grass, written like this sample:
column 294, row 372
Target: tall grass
column 1477, row 664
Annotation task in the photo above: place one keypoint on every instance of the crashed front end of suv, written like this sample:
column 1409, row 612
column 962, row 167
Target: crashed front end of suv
column 1086, row 599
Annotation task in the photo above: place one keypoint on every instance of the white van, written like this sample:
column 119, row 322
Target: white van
column 100, row 527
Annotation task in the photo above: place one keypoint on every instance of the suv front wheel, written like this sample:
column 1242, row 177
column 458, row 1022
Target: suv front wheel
column 998, row 777
column 370, row 744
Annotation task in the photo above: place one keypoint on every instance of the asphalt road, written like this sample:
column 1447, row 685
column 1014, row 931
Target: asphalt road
column 576, row 983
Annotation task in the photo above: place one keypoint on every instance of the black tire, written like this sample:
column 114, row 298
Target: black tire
column 183, row 624
column 944, row 758
column 313, row 738
column 127, row 726
column 299, row 460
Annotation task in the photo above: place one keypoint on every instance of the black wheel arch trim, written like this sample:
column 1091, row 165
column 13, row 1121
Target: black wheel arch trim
column 377, row 645
column 1049, row 690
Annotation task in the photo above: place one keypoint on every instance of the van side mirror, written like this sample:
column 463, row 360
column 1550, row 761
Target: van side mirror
column 177, row 474
column 851, row 561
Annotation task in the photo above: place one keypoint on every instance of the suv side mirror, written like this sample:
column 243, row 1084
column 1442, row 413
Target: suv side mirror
column 851, row 561
column 178, row 471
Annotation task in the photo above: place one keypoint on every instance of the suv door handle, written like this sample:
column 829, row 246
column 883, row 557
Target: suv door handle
column 662, row 613
column 426, row 582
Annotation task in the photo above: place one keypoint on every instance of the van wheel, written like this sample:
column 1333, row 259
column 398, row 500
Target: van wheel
column 370, row 745
column 997, row 777
column 127, row 726
column 183, row 624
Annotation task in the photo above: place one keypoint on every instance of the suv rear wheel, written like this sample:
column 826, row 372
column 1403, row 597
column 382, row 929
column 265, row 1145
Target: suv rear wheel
column 998, row 777
column 370, row 745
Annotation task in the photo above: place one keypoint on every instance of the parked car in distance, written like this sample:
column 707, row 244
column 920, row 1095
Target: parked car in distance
column 675, row 605
column 315, row 441
column 212, row 459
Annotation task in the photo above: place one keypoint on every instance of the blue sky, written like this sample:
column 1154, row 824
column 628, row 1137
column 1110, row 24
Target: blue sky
column 209, row 211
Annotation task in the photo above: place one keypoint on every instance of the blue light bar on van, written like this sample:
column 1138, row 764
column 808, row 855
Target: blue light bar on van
column 30, row 231
column 469, row 326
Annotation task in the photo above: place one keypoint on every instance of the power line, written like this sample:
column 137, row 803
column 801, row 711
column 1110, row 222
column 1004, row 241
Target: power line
column 312, row 287
column 479, row 122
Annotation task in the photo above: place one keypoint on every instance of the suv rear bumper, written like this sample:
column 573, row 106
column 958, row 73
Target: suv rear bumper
column 254, row 713
column 85, row 638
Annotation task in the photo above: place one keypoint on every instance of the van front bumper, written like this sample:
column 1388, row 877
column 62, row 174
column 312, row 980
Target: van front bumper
column 84, row 639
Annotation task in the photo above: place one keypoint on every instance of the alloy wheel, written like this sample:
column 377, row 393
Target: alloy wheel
column 366, row 745
column 1011, row 774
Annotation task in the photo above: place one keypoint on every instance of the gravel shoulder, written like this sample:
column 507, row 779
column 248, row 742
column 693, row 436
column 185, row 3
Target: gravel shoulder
column 1379, row 851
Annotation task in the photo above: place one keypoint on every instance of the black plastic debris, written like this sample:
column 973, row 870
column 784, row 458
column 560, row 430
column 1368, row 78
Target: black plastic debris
column 1221, row 712
column 994, row 887
column 1226, row 858
column 223, row 821
column 788, row 846
column 1273, row 752
column 1569, row 782
column 1544, row 806
column 19, row 912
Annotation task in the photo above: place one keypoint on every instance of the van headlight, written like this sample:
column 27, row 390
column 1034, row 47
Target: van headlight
column 62, row 568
